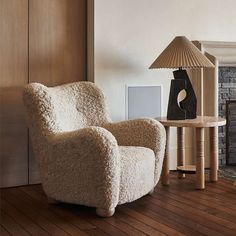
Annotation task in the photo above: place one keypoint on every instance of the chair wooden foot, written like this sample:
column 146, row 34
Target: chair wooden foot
column 151, row 192
column 105, row 212
column 52, row 200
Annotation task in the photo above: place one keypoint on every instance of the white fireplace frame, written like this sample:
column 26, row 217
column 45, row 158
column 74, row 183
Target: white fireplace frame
column 205, row 83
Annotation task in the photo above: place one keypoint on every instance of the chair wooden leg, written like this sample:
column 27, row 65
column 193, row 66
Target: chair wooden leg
column 151, row 192
column 105, row 212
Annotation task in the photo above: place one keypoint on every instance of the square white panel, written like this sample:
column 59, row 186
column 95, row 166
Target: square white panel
column 143, row 101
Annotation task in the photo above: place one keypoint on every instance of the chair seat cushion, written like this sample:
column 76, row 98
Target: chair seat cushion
column 137, row 172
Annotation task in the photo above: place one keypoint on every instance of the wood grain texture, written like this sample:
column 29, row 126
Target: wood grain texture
column 181, row 149
column 200, row 121
column 176, row 210
column 44, row 42
column 200, row 162
column 12, row 227
column 166, row 161
column 4, row 232
column 57, row 45
column 190, row 169
column 13, row 76
column 22, row 220
column 214, row 159
column 57, row 48
column 199, row 124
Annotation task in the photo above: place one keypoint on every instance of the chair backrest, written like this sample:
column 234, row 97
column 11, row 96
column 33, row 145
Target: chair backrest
column 64, row 108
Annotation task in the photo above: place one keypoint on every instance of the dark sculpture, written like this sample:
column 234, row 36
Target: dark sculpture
column 187, row 108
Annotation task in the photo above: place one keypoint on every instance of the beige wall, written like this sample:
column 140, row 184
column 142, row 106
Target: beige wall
column 130, row 34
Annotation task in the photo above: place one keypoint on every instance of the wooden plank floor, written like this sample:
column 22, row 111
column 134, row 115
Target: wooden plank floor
column 175, row 210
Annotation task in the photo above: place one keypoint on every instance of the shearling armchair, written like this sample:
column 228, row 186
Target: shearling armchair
column 83, row 157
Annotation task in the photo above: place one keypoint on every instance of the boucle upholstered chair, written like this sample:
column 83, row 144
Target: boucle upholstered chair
column 83, row 157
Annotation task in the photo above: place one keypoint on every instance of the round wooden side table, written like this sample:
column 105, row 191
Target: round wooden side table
column 198, row 124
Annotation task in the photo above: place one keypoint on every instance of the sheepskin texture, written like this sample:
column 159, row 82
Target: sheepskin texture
column 83, row 157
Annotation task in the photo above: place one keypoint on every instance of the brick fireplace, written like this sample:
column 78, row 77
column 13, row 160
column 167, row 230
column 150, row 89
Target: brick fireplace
column 227, row 92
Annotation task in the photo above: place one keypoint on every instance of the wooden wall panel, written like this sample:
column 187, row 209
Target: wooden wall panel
column 57, row 42
column 57, row 47
column 13, row 75
column 40, row 41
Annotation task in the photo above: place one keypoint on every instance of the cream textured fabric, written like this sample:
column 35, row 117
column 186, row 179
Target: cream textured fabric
column 83, row 157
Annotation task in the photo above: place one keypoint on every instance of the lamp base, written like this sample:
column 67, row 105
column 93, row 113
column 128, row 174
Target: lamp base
column 187, row 108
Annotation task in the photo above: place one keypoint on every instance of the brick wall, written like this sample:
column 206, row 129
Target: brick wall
column 227, row 91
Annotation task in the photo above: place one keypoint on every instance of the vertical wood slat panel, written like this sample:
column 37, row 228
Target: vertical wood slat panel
column 57, row 48
column 57, row 41
column 13, row 76
column 53, row 41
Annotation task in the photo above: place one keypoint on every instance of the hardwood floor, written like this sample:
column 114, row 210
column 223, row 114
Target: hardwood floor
column 175, row 210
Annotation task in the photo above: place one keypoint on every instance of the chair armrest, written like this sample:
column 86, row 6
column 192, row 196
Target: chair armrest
column 85, row 162
column 141, row 132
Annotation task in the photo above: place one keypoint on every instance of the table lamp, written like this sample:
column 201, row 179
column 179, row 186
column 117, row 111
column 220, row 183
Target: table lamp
column 181, row 53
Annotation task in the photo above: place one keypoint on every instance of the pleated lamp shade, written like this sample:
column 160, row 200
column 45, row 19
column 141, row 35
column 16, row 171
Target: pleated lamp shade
column 181, row 53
